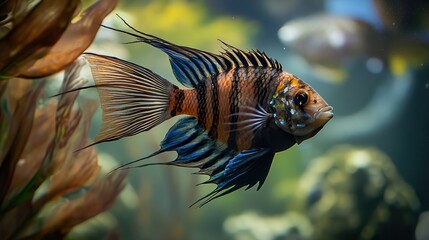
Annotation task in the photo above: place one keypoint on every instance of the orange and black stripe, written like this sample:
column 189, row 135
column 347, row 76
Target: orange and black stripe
column 233, row 109
column 179, row 97
column 215, row 106
column 201, row 104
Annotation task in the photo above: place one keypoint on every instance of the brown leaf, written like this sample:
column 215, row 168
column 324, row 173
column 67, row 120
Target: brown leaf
column 3, row 86
column 80, row 168
column 18, row 10
column 73, row 42
column 98, row 199
column 41, row 135
column 19, row 131
column 88, row 107
column 6, row 8
column 73, row 173
column 16, row 89
column 66, row 124
column 10, row 221
column 70, row 167
column 32, row 37
column 63, row 112
column 72, row 170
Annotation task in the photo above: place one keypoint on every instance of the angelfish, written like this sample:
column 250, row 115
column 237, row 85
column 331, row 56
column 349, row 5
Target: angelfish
column 239, row 108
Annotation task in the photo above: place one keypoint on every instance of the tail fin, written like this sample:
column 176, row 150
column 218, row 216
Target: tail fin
column 133, row 98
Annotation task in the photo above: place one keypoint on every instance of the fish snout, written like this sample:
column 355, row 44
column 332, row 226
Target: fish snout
column 325, row 113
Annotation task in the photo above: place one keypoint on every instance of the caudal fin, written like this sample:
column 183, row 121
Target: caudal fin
column 133, row 98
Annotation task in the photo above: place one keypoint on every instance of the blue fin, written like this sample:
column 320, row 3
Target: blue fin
column 192, row 66
column 226, row 168
column 245, row 169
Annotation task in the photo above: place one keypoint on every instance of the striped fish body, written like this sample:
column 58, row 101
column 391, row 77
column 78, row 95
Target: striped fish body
column 221, row 103
column 239, row 108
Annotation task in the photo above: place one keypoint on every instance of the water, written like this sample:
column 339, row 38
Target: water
column 363, row 176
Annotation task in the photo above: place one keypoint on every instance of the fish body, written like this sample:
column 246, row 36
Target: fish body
column 216, row 104
column 240, row 107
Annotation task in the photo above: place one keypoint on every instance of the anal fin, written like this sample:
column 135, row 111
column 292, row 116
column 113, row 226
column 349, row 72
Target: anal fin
column 247, row 168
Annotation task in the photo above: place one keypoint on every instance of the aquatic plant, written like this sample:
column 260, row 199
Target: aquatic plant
column 48, row 182
column 36, row 44
column 40, row 164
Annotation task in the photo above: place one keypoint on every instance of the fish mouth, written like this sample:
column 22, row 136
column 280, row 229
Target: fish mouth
column 320, row 117
column 324, row 113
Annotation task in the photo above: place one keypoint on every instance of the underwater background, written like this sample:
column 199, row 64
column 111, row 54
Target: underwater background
column 364, row 176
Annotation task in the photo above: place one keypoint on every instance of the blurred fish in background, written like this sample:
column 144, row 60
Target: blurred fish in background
column 331, row 42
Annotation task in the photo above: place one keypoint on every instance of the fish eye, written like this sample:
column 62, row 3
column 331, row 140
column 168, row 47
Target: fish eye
column 301, row 98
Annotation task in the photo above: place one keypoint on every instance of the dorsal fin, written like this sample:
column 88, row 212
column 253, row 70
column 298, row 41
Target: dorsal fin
column 192, row 66
column 252, row 58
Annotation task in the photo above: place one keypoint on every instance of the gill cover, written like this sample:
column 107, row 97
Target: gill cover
column 299, row 110
column 288, row 115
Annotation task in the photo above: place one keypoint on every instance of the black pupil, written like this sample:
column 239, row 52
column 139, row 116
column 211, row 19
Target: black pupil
column 301, row 99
